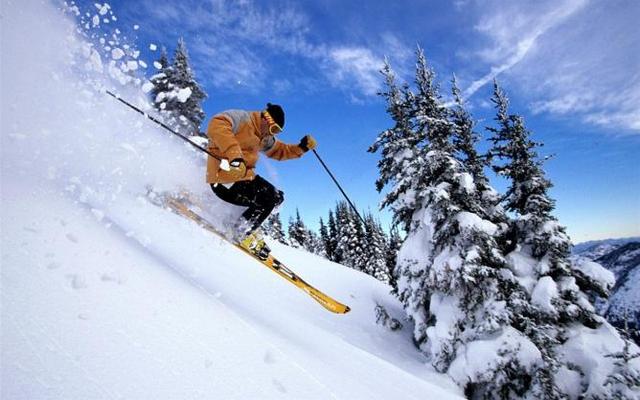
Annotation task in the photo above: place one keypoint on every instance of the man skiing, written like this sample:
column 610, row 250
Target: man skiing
column 237, row 137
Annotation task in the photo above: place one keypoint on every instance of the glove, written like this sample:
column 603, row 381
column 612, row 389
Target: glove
column 307, row 143
column 238, row 169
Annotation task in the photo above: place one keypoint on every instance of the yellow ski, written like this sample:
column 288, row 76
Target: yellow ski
column 271, row 262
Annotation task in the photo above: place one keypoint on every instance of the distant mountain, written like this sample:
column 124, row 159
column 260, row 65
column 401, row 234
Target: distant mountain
column 597, row 248
column 622, row 257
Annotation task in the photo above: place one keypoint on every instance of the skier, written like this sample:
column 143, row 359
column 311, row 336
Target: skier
column 236, row 137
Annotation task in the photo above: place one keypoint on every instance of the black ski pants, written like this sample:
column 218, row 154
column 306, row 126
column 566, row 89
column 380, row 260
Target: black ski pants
column 258, row 195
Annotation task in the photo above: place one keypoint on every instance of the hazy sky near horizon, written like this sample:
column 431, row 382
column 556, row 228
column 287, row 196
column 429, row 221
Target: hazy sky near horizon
column 570, row 67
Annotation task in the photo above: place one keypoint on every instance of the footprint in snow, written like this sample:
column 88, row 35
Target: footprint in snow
column 269, row 358
column 279, row 386
column 53, row 265
column 77, row 281
column 112, row 277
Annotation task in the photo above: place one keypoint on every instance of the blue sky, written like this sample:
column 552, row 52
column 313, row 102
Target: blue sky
column 570, row 67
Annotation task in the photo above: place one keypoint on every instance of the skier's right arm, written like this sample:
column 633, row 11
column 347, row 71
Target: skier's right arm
column 221, row 138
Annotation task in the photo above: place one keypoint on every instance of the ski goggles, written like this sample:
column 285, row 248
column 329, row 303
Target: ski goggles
column 273, row 126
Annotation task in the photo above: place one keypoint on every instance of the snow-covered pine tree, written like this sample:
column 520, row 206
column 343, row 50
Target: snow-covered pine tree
column 341, row 219
column 557, row 314
column 332, row 243
column 376, row 249
column 453, row 282
column 350, row 247
column 184, row 96
column 273, row 228
column 359, row 246
column 325, row 239
column 465, row 140
column 399, row 147
column 316, row 245
column 160, row 81
column 298, row 233
column 391, row 258
column 521, row 166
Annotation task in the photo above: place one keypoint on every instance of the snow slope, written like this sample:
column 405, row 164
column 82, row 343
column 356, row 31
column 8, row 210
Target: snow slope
column 622, row 258
column 105, row 295
column 623, row 305
column 89, row 311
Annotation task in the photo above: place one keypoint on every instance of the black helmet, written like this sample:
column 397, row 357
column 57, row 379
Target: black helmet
column 276, row 113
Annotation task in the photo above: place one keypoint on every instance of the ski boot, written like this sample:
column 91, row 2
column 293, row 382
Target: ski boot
column 254, row 243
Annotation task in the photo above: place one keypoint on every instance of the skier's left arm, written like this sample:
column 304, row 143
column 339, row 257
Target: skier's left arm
column 273, row 148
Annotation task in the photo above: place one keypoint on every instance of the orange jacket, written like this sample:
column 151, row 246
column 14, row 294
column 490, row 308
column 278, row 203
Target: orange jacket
column 236, row 134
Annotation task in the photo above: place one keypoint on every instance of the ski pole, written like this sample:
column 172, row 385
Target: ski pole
column 162, row 125
column 338, row 185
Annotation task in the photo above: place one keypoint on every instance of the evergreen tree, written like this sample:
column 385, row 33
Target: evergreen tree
column 332, row 243
column 350, row 247
column 177, row 94
column 339, row 218
column 359, row 247
column 376, row 249
column 399, row 147
column 316, row 245
column 298, row 233
column 325, row 239
column 189, row 95
column 556, row 304
column 453, row 283
column 527, row 191
column 273, row 228
column 465, row 138
column 391, row 258
column 160, row 81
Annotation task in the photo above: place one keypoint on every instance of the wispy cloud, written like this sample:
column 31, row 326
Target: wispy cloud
column 358, row 65
column 230, row 42
column 243, row 43
column 513, row 32
column 573, row 57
